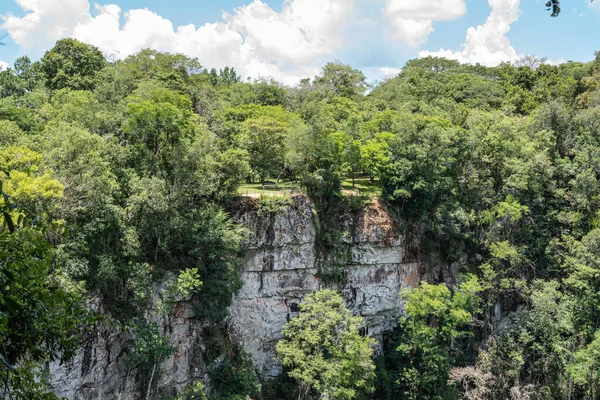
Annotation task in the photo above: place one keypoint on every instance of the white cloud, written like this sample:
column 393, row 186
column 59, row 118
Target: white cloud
column 388, row 72
column 45, row 21
column 376, row 75
column 487, row 44
column 3, row 65
column 413, row 19
column 255, row 39
column 556, row 62
column 595, row 5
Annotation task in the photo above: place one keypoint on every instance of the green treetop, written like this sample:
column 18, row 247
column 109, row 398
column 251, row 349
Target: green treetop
column 324, row 351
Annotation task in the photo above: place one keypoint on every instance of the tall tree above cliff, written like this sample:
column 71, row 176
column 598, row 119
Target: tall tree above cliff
column 72, row 64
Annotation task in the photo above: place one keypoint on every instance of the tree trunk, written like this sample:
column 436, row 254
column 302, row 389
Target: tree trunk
column 303, row 392
column 150, row 383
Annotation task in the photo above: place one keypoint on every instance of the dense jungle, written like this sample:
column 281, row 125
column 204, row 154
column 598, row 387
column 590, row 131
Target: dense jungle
column 119, row 174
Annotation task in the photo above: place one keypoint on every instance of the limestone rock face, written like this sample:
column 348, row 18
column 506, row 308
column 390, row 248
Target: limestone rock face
column 99, row 372
column 282, row 264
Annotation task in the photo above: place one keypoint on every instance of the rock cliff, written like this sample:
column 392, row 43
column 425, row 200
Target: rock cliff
column 282, row 265
column 283, row 261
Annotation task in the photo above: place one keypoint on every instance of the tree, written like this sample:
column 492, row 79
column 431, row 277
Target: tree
column 157, row 122
column 161, row 65
column 148, row 348
column 344, row 80
column 21, row 79
column 434, row 319
column 534, row 352
column 530, row 61
column 193, row 391
column 229, row 76
column 264, row 138
column 268, row 92
column 585, row 367
column 72, row 64
column 324, row 351
column 375, row 155
column 39, row 316
column 225, row 77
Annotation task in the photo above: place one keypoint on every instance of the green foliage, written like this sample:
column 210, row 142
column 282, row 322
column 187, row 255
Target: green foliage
column 164, row 67
column 533, row 354
column 72, row 64
column 22, row 78
column 181, row 289
column 585, row 366
column 187, row 282
column 324, row 351
column 147, row 349
column 193, row 391
column 271, row 205
column 156, row 124
column 148, row 346
column 116, row 175
column 435, row 319
column 268, row 93
column 342, row 80
column 264, row 138
column 24, row 117
column 39, row 313
column 235, row 379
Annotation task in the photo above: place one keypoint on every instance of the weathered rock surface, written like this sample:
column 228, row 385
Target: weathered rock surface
column 99, row 372
column 281, row 266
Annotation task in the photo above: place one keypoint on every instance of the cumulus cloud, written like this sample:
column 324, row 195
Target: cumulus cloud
column 255, row 39
column 3, row 65
column 388, row 72
column 487, row 44
column 45, row 21
column 413, row 19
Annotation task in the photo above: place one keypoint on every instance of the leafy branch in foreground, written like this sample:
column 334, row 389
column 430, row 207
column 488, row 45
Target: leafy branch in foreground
column 39, row 312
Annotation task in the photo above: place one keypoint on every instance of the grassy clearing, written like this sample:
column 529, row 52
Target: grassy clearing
column 268, row 189
column 362, row 187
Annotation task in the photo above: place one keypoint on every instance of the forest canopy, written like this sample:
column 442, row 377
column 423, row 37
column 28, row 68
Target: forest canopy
column 117, row 174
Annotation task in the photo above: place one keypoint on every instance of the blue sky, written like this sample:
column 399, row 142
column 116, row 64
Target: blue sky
column 293, row 39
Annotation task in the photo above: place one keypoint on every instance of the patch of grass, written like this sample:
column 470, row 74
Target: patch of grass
column 362, row 187
column 270, row 205
column 268, row 188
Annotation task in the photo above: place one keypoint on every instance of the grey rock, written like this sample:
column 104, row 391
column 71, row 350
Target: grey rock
column 281, row 266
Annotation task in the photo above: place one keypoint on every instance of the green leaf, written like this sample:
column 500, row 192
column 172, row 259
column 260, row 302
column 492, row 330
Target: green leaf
column 12, row 304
